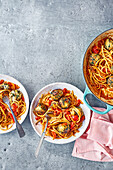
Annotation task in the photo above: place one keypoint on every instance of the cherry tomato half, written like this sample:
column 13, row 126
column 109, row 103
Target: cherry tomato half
column 54, row 135
column 75, row 117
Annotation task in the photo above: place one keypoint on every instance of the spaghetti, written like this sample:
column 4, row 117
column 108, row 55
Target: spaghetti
column 17, row 103
column 64, row 111
column 100, row 69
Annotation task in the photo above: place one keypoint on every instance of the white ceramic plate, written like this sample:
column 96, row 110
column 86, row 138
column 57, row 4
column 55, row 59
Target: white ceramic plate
column 78, row 93
column 22, row 89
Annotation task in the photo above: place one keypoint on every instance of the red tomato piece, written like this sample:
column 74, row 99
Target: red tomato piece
column 14, row 107
column 54, row 135
column 75, row 117
column 16, row 86
column 1, row 81
column 23, row 98
column 68, row 117
column 16, row 113
column 82, row 118
column 50, row 102
column 95, row 49
column 48, row 125
column 10, row 84
column 72, row 125
column 67, row 112
column 65, row 91
column 37, row 118
column 12, row 117
column 78, row 102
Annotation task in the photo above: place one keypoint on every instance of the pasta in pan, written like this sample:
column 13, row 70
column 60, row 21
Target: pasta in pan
column 17, row 103
column 100, row 69
column 64, row 111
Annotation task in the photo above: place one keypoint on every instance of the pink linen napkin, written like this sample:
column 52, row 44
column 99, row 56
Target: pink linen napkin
column 96, row 143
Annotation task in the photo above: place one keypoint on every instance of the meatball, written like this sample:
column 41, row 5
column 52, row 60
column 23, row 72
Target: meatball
column 64, row 102
column 57, row 94
column 110, row 81
column 108, row 44
column 41, row 108
column 94, row 58
column 63, row 128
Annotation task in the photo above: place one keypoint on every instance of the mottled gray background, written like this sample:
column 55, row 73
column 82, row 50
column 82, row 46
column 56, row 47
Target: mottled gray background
column 44, row 41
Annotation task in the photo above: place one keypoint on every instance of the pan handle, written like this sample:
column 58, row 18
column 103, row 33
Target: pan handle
column 87, row 91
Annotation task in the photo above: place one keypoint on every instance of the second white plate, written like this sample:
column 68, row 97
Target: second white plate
column 78, row 93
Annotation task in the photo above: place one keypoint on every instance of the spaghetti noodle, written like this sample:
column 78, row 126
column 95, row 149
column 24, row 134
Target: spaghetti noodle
column 64, row 111
column 16, row 101
column 100, row 69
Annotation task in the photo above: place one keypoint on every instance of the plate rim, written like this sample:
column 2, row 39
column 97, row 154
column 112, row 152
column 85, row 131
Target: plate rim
column 27, row 99
column 30, row 112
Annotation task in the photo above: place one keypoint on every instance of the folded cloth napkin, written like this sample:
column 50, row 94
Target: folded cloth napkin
column 96, row 143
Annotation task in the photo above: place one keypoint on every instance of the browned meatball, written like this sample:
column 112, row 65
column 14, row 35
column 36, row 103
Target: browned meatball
column 64, row 102
column 94, row 58
column 63, row 128
column 57, row 94
column 108, row 44
column 41, row 108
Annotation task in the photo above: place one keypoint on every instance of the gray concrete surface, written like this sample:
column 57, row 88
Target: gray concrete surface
column 44, row 41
